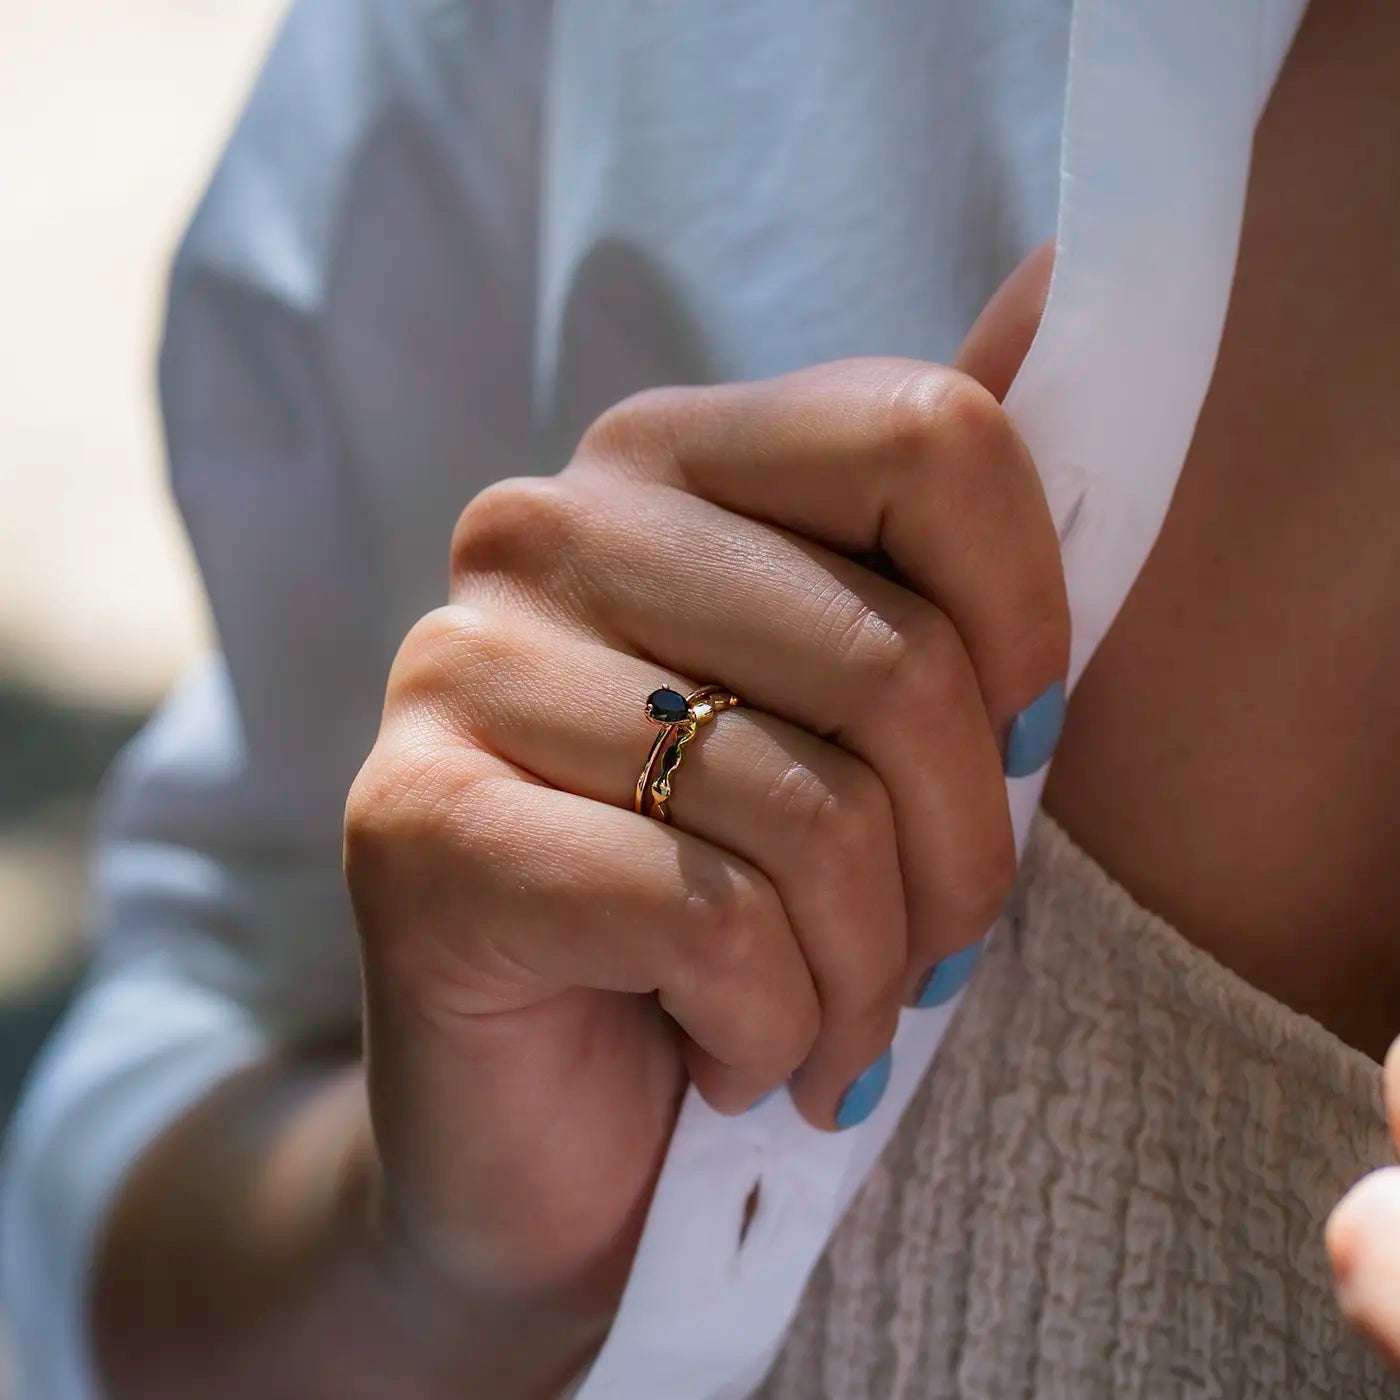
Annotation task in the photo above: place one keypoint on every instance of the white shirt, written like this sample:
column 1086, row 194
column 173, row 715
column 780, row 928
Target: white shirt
column 443, row 238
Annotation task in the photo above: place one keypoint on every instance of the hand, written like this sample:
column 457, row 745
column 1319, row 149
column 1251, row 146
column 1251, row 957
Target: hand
column 862, row 551
column 1363, row 1239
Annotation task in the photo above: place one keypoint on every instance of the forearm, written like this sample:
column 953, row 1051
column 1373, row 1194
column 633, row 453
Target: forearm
column 247, row 1255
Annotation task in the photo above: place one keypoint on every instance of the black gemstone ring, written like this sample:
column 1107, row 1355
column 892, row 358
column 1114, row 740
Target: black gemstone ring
column 667, row 707
column 680, row 718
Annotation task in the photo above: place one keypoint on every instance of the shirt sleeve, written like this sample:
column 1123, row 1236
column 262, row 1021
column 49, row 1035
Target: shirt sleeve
column 346, row 360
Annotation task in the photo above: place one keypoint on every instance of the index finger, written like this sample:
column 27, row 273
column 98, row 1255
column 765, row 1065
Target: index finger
column 901, row 456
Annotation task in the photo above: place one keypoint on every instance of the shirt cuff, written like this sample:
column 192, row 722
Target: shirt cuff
column 135, row 1050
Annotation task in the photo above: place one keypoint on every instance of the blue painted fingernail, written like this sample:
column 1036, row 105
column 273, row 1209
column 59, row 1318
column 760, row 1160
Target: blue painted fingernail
column 760, row 1100
column 946, row 979
column 858, row 1102
column 1035, row 732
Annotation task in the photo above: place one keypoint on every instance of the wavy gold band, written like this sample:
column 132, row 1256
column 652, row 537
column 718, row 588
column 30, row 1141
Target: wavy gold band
column 681, row 717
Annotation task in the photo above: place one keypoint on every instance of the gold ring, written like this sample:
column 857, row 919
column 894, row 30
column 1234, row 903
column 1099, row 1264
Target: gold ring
column 681, row 718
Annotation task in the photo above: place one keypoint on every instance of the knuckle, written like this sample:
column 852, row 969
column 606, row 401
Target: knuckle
column 931, row 401
column 839, row 815
column 368, row 824
column 837, row 823
column 911, row 409
column 731, row 944
column 937, row 675
column 398, row 793
column 378, row 812
column 431, row 651
column 973, row 419
column 869, row 649
column 939, row 415
column 512, row 525
column 727, row 923
column 447, row 666
column 917, row 665
column 632, row 424
column 398, row 828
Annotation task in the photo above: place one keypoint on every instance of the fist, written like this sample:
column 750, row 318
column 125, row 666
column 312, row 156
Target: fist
column 860, row 551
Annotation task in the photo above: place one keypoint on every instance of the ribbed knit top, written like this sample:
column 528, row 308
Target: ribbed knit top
column 1112, row 1183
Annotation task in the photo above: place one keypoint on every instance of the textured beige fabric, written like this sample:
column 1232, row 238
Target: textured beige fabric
column 1112, row 1183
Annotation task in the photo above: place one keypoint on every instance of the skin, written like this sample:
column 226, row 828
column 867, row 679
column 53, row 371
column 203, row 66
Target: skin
column 316, row 1227
column 1243, row 708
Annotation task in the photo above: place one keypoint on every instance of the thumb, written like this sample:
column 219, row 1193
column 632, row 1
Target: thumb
column 997, row 343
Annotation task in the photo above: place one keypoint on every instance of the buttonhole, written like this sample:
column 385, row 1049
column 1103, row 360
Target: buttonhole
column 1072, row 518
column 750, row 1210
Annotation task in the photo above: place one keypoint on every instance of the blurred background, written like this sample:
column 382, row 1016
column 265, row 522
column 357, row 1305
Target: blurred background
column 110, row 118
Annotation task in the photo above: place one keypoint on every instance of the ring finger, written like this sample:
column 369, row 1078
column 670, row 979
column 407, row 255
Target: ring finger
column 804, row 634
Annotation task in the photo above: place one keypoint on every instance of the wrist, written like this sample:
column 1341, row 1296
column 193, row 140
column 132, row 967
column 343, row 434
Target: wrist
column 451, row 1314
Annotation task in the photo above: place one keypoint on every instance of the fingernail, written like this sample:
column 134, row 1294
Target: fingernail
column 946, row 979
column 760, row 1101
column 1035, row 732
column 858, row 1102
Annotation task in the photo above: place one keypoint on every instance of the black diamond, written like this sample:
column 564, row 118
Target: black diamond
column 667, row 706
